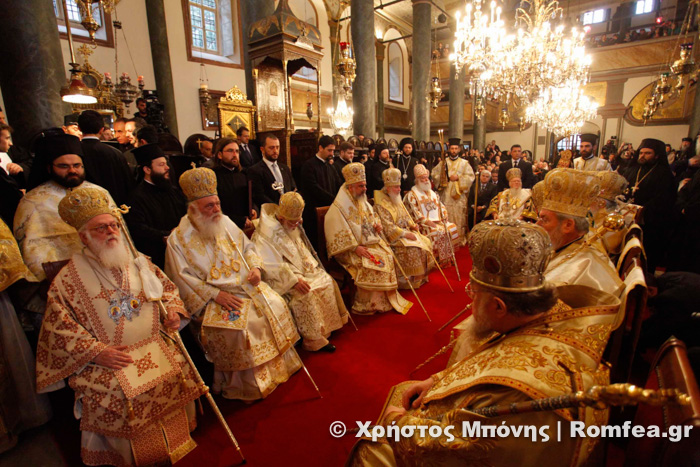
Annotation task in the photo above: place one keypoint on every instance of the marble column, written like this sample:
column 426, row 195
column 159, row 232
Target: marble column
column 364, row 87
column 160, row 51
column 381, row 49
column 421, row 69
column 252, row 11
column 33, row 68
column 456, row 126
column 480, row 130
column 694, row 127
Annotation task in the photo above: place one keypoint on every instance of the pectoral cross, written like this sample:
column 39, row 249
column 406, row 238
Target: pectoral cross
column 199, row 144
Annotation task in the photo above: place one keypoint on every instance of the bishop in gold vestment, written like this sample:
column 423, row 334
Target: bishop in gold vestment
column 412, row 249
column 514, row 202
column 353, row 239
column 134, row 390
column 294, row 272
column 430, row 214
column 41, row 234
column 566, row 196
column 245, row 334
column 551, row 347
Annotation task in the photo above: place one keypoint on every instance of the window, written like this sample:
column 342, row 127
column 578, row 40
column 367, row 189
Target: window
column 213, row 32
column 103, row 36
column 395, row 73
column 644, row 6
column 204, row 21
column 594, row 17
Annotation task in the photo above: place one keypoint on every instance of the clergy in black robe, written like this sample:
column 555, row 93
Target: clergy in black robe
column 232, row 184
column 405, row 161
column 487, row 191
column 652, row 186
column 374, row 177
column 684, row 248
column 345, row 156
column 156, row 205
column 104, row 165
column 318, row 186
column 22, row 160
column 10, row 195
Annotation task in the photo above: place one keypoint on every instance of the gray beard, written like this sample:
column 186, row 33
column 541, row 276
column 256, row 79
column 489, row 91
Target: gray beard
column 395, row 198
column 361, row 198
column 515, row 192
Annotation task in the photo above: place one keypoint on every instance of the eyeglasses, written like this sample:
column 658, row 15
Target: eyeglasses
column 104, row 228
column 68, row 166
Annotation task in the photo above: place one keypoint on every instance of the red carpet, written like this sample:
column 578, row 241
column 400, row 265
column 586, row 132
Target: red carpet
column 291, row 426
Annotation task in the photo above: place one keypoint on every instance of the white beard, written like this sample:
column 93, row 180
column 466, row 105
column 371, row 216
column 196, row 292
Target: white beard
column 515, row 192
column 425, row 187
column 395, row 198
column 209, row 228
column 110, row 254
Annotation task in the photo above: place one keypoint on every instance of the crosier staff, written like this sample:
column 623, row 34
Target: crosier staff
column 272, row 312
column 432, row 255
column 204, row 389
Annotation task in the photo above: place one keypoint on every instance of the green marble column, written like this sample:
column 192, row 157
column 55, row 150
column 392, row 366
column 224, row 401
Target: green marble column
column 160, row 52
column 33, row 68
column 364, row 88
column 421, row 69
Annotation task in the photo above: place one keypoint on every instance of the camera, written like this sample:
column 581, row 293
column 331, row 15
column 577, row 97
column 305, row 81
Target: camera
column 155, row 111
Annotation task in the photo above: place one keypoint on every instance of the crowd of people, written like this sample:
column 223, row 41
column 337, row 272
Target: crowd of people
column 107, row 254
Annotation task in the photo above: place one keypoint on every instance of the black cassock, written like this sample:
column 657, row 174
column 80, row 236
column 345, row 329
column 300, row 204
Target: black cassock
column 406, row 166
column 656, row 192
column 154, row 213
column 107, row 167
column 232, row 186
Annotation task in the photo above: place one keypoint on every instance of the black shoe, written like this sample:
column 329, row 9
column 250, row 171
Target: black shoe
column 330, row 348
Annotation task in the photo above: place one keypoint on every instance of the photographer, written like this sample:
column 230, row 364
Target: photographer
column 142, row 107
column 624, row 157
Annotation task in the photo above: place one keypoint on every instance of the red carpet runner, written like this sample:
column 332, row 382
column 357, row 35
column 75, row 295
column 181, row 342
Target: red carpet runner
column 291, row 426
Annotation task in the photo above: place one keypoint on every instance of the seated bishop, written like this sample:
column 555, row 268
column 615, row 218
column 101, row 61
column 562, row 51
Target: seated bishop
column 514, row 202
column 529, row 341
column 565, row 197
column 430, row 214
column 247, row 335
column 412, row 249
column 134, row 390
column 293, row 270
column 354, row 239
column 612, row 186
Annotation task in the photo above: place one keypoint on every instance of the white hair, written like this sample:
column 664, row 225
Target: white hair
column 208, row 227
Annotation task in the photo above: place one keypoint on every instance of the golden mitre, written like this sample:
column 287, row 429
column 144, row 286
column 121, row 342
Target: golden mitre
column 612, row 184
column 291, row 206
column 198, row 183
column 569, row 191
column 82, row 204
column 538, row 194
column 419, row 170
column 509, row 255
column 514, row 173
column 354, row 172
column 391, row 177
